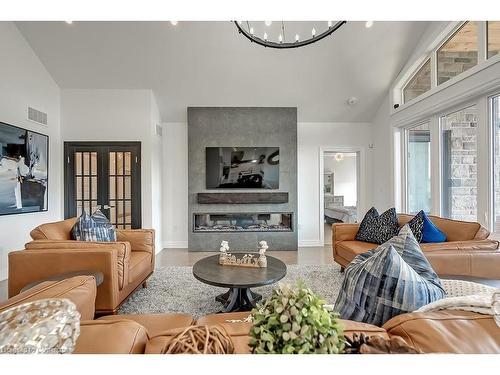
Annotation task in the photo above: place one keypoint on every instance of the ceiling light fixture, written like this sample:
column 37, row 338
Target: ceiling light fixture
column 174, row 22
column 287, row 37
column 69, row 22
column 368, row 24
column 339, row 156
column 268, row 23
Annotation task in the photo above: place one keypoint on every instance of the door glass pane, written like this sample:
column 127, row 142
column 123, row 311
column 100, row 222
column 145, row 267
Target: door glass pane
column 418, row 169
column 93, row 163
column 459, row 164
column 496, row 172
column 459, row 53
column 120, row 193
column 112, row 163
column 420, row 83
column 86, row 163
column 493, row 38
column 128, row 160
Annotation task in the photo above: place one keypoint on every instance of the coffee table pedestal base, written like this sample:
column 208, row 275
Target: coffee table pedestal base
column 238, row 299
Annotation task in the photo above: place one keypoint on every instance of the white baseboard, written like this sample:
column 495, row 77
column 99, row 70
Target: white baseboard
column 310, row 243
column 175, row 245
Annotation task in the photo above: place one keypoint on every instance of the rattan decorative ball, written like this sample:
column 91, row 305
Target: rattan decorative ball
column 201, row 340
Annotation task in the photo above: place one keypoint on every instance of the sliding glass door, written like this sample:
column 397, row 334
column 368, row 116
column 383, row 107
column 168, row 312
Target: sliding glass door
column 418, row 169
column 459, row 164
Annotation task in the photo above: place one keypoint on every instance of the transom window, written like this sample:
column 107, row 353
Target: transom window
column 459, row 53
column 420, row 83
column 493, row 38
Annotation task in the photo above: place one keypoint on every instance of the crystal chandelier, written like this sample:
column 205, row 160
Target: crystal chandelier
column 286, row 34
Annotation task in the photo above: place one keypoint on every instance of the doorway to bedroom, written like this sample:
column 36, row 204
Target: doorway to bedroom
column 341, row 175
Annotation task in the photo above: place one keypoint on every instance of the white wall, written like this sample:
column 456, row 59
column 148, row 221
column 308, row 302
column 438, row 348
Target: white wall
column 344, row 176
column 382, row 184
column 175, row 185
column 120, row 115
column 24, row 81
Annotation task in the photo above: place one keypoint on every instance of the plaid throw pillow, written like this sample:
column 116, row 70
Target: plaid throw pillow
column 392, row 279
column 93, row 228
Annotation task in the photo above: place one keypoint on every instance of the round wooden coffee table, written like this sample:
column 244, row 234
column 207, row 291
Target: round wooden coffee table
column 239, row 280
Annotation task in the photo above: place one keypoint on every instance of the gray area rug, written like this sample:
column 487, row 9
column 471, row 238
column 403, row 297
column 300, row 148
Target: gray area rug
column 174, row 289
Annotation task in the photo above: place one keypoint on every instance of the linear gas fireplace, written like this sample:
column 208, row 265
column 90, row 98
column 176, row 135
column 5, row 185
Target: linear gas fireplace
column 243, row 222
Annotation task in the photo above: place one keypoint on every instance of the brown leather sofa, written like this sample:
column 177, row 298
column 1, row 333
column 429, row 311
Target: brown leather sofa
column 445, row 331
column 466, row 252
column 125, row 264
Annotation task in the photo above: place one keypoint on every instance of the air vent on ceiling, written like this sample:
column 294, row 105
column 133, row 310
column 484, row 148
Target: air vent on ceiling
column 37, row 116
column 159, row 130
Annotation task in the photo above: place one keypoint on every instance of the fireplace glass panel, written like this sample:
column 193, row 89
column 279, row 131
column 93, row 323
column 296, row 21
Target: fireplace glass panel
column 243, row 222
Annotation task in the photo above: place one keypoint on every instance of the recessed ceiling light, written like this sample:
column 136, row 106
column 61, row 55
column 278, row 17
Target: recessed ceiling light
column 368, row 24
column 69, row 22
column 352, row 100
column 174, row 22
column 268, row 23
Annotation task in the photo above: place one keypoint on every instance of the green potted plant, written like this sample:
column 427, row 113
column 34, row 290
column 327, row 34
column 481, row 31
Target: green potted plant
column 294, row 320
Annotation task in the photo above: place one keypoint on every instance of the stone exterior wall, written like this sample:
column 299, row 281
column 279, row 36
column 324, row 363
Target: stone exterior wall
column 462, row 194
column 451, row 63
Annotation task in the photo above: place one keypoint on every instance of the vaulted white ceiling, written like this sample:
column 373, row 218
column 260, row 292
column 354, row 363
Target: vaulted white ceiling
column 210, row 64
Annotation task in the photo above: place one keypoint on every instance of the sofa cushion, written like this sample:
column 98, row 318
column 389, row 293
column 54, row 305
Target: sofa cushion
column 111, row 337
column 140, row 261
column 81, row 290
column 155, row 324
column 455, row 230
column 447, row 331
column 93, row 228
column 387, row 281
column 417, row 225
column 378, row 228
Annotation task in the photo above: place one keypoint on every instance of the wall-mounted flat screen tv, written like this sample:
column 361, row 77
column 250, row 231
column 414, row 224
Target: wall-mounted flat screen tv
column 243, row 167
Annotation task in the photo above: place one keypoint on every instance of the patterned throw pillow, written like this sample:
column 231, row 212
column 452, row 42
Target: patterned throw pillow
column 417, row 225
column 377, row 228
column 93, row 228
column 392, row 279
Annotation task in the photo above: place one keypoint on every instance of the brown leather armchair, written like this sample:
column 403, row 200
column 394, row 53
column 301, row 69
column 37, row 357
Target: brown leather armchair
column 125, row 264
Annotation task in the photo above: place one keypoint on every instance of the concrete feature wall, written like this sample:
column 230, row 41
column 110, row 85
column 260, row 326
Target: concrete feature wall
column 242, row 127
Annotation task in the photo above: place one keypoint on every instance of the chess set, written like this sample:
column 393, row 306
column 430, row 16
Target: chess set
column 247, row 260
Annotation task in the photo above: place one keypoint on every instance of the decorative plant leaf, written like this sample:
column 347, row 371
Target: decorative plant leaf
column 295, row 320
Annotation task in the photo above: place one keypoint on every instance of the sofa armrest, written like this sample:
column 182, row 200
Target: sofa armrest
column 81, row 290
column 139, row 239
column 344, row 232
column 28, row 266
column 121, row 248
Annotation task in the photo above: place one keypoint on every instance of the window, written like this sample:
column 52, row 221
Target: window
column 459, row 164
column 459, row 53
column 493, row 38
column 418, row 169
column 420, row 83
column 495, row 118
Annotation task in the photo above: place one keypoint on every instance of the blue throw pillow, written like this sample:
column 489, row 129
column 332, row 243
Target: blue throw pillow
column 93, row 228
column 392, row 279
column 430, row 232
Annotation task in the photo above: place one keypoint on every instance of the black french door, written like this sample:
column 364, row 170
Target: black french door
column 104, row 175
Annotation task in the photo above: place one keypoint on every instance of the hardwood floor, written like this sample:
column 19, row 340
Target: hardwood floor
column 181, row 257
